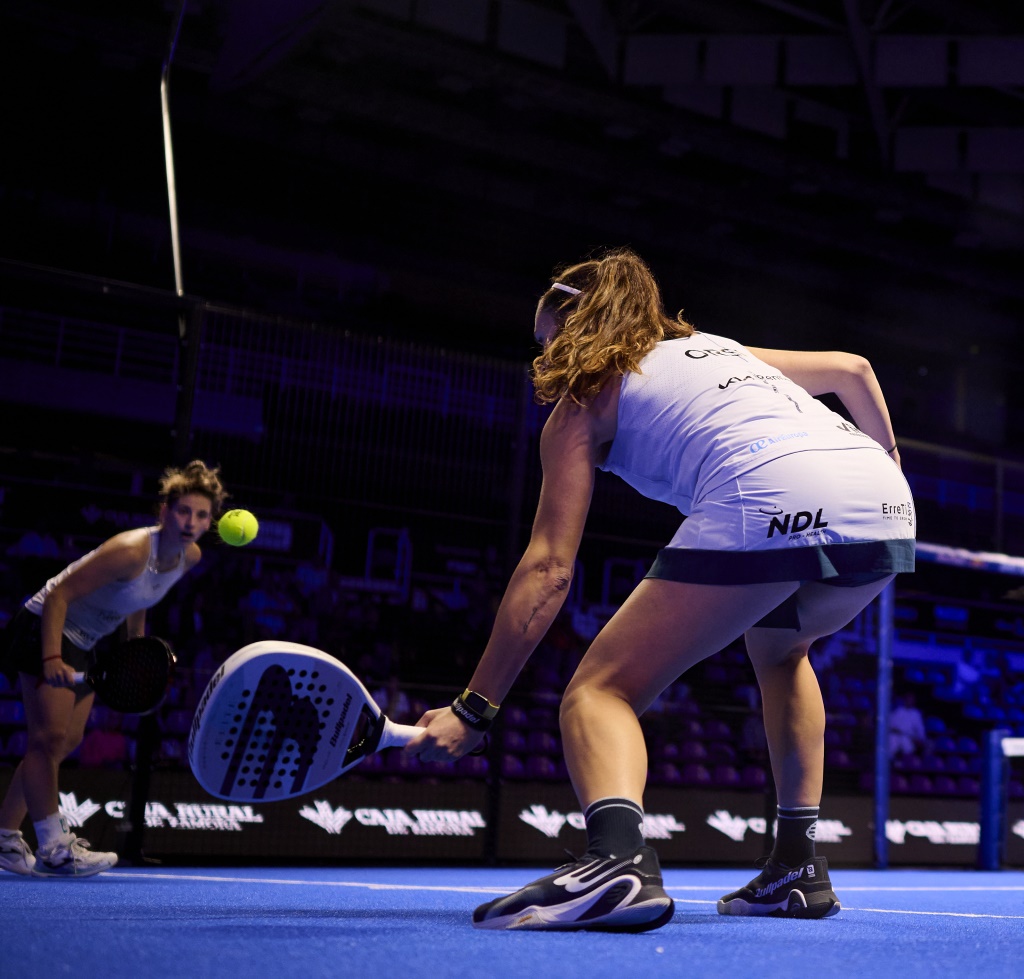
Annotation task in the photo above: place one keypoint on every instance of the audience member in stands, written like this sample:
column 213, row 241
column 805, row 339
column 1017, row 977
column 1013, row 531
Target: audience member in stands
column 51, row 638
column 906, row 727
column 797, row 519
column 970, row 676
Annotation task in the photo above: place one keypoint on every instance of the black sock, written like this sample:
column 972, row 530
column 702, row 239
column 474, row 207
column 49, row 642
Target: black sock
column 794, row 836
column 615, row 827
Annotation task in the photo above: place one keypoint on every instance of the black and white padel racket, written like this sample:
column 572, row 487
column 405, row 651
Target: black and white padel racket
column 132, row 677
column 280, row 719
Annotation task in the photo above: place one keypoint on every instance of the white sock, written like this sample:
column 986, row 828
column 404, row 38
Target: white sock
column 50, row 829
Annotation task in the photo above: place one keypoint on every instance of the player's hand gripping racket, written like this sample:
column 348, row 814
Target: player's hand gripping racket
column 279, row 719
column 132, row 677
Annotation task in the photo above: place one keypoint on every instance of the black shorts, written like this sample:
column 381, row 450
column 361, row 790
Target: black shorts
column 841, row 565
column 22, row 648
column 846, row 564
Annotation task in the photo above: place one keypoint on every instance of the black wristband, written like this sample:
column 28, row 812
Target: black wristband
column 464, row 714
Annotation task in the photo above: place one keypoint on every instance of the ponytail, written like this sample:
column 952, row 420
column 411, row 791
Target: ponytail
column 605, row 329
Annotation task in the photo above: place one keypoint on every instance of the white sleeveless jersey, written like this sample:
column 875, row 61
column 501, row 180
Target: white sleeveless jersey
column 705, row 410
column 101, row 612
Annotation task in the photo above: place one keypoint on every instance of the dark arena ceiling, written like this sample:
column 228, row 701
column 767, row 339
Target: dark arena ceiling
column 841, row 174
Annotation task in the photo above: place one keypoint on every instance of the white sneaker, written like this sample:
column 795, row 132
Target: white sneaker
column 71, row 857
column 15, row 854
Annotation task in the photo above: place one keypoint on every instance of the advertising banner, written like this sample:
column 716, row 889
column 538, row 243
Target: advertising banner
column 349, row 819
column 539, row 821
column 370, row 820
column 929, row 831
column 1013, row 855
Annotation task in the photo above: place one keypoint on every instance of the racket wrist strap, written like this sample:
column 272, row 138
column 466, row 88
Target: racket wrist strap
column 475, row 710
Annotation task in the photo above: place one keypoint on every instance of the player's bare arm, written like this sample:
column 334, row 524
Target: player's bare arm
column 571, row 445
column 121, row 558
column 848, row 376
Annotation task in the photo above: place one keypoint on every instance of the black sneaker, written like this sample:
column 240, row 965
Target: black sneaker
column 785, row 892
column 594, row 893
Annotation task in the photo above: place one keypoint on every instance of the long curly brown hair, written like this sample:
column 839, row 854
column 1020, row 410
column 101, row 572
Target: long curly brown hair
column 607, row 329
column 196, row 477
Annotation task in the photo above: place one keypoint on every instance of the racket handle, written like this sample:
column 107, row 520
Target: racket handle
column 396, row 735
column 79, row 678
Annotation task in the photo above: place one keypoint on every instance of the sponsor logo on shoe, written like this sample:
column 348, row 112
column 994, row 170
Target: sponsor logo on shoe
column 771, row 888
column 574, row 881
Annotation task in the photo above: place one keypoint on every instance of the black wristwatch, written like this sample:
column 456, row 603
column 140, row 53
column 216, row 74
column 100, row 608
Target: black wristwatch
column 475, row 709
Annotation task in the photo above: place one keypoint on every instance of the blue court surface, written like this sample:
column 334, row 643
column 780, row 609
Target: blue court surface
column 342, row 921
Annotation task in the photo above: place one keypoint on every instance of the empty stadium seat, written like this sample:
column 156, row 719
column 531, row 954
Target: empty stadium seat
column 473, row 766
column 717, row 730
column 513, row 740
column 541, row 767
column 695, row 774
column 720, row 753
column 665, row 773
column 725, row 776
column 693, row 751
column 542, row 743
column 512, row 766
column 12, row 712
column 753, row 777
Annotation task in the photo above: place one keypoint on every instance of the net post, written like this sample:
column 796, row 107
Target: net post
column 883, row 705
column 147, row 741
column 165, row 113
column 994, row 779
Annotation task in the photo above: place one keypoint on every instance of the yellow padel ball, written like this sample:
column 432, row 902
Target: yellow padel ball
column 238, row 527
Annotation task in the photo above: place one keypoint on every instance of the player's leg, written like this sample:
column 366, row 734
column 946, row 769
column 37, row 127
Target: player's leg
column 33, row 788
column 659, row 632
column 48, row 716
column 14, row 807
column 56, row 719
column 794, row 882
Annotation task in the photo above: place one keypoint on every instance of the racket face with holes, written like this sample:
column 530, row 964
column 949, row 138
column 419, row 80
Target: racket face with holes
column 276, row 721
column 134, row 676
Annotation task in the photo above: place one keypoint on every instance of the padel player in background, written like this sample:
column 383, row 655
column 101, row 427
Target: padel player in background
column 50, row 638
column 795, row 520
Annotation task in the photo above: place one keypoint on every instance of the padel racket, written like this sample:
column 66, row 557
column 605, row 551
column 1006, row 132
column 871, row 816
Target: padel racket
column 279, row 719
column 132, row 677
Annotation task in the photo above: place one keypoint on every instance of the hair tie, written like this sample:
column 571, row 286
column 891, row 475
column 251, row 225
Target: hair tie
column 565, row 288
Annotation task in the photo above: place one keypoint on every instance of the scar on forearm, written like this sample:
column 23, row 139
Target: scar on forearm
column 529, row 621
column 561, row 581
